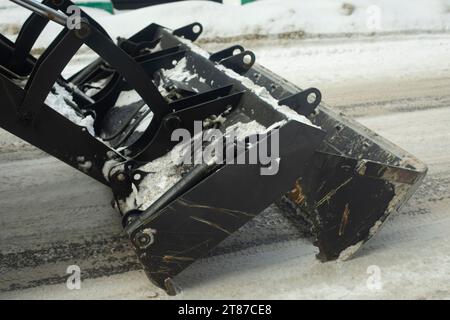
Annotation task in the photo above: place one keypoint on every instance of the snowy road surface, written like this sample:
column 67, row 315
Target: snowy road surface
column 52, row 216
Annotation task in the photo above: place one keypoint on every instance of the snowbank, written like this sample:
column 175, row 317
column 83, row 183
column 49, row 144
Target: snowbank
column 270, row 17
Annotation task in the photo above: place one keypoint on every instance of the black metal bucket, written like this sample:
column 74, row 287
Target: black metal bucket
column 335, row 177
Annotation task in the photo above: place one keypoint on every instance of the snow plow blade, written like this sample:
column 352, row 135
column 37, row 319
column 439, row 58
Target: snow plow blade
column 115, row 120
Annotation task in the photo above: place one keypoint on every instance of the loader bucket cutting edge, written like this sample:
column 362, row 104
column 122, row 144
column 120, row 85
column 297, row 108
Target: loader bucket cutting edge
column 336, row 179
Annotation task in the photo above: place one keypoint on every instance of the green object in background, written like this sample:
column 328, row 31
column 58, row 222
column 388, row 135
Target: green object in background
column 236, row 2
column 108, row 6
column 104, row 5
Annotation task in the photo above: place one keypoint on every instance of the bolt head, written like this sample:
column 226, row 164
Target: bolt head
column 83, row 31
column 172, row 122
column 121, row 177
column 143, row 239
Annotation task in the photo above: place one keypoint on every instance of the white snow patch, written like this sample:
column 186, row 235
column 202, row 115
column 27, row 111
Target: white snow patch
column 265, row 95
column 213, row 120
column 162, row 175
column 107, row 168
column 194, row 48
column 350, row 251
column 58, row 102
column 180, row 72
column 167, row 170
column 97, row 85
column 127, row 98
column 375, row 228
column 242, row 130
column 272, row 17
column 145, row 123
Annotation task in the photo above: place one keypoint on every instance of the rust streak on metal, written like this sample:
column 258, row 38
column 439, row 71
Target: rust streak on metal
column 212, row 224
column 296, row 194
column 171, row 258
column 230, row 212
column 330, row 194
column 399, row 175
column 194, row 247
column 344, row 220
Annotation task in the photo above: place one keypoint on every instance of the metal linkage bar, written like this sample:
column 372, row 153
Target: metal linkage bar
column 48, row 69
column 43, row 10
column 20, row 61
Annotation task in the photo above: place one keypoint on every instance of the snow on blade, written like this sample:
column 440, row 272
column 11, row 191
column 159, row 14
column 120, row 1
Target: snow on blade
column 127, row 97
column 179, row 72
column 265, row 95
column 167, row 170
column 261, row 92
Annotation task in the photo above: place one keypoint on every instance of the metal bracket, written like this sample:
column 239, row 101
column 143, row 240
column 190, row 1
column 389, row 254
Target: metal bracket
column 304, row 102
column 48, row 69
column 240, row 63
column 226, row 53
column 134, row 48
column 191, row 31
column 161, row 143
